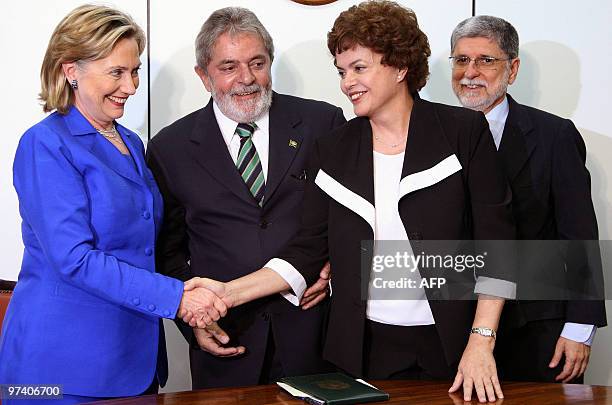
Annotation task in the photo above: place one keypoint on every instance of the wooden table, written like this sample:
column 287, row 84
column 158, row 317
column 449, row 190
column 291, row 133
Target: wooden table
column 402, row 392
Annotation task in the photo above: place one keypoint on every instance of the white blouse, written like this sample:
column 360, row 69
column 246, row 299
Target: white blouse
column 389, row 227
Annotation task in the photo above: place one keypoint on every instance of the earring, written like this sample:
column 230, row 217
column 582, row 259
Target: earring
column 74, row 84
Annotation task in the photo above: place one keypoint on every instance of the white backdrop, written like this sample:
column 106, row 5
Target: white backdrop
column 566, row 57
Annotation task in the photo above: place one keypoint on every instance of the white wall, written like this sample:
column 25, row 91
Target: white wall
column 566, row 59
column 302, row 64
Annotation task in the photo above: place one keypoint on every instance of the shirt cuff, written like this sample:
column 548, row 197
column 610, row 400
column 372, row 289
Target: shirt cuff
column 293, row 277
column 579, row 332
column 495, row 287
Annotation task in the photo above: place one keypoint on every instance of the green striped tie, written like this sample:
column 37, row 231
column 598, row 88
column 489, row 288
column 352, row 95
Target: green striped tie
column 248, row 163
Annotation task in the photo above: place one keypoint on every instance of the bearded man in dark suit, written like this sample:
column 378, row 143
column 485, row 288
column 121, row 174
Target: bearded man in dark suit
column 232, row 175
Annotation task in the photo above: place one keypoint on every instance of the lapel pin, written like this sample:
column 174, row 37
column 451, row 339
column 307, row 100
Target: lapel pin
column 293, row 143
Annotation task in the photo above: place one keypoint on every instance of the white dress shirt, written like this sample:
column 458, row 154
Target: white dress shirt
column 577, row 332
column 497, row 120
column 261, row 137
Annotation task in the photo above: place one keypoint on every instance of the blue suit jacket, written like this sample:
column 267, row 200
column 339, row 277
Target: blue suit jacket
column 85, row 312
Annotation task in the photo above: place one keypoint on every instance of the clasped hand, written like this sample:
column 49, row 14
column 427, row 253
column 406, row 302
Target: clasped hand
column 204, row 302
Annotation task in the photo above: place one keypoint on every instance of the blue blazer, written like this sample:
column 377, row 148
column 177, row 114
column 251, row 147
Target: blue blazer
column 86, row 308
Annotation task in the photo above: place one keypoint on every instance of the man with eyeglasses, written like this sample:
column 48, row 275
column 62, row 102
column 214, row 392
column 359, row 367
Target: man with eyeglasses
column 544, row 159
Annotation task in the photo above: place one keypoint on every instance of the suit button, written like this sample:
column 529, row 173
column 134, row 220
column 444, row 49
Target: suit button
column 136, row 301
column 148, row 251
column 151, row 307
column 263, row 224
column 146, row 215
column 166, row 313
column 266, row 317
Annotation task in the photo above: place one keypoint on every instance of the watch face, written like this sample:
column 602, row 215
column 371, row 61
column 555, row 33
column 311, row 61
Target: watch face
column 313, row 2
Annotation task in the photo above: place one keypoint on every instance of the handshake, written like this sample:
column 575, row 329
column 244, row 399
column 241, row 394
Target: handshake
column 205, row 301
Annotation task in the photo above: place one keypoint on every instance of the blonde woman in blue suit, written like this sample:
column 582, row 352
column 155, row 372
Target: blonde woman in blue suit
column 86, row 310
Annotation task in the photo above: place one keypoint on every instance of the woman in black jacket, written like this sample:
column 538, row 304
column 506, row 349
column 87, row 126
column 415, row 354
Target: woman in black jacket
column 403, row 169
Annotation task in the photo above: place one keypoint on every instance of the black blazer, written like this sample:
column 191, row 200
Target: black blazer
column 453, row 188
column 214, row 228
column 544, row 161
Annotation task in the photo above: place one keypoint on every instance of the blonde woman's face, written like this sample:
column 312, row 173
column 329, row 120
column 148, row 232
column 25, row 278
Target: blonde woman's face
column 104, row 85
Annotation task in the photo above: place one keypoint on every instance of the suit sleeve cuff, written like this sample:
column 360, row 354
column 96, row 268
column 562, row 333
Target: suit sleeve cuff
column 495, row 287
column 293, row 277
column 579, row 332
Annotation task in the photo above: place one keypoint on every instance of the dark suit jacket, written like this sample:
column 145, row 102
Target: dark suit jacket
column 452, row 189
column 544, row 160
column 214, row 228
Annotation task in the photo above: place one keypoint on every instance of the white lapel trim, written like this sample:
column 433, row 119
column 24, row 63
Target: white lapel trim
column 416, row 181
column 346, row 197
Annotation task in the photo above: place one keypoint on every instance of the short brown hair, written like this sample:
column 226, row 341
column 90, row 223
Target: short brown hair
column 386, row 28
column 87, row 33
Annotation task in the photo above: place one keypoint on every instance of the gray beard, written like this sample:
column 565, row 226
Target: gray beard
column 482, row 104
column 248, row 111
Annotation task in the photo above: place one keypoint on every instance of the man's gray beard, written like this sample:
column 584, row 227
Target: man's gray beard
column 246, row 111
column 482, row 104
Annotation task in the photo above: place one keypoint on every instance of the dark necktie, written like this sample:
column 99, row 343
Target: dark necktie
column 248, row 163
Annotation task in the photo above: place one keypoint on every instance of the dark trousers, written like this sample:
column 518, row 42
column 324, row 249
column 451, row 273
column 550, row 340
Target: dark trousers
column 270, row 372
column 272, row 369
column 523, row 353
column 404, row 353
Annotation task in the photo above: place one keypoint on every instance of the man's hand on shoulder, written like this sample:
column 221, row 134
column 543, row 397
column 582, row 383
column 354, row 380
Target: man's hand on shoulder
column 319, row 290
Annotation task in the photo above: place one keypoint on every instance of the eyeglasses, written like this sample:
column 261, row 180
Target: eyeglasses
column 481, row 63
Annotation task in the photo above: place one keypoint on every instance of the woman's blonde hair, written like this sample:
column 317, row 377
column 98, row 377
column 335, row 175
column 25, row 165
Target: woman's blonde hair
column 87, row 33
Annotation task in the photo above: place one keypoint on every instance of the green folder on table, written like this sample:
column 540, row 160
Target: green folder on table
column 331, row 389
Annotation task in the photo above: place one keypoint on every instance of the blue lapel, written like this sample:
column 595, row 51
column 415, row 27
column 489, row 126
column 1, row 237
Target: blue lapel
column 79, row 126
column 133, row 144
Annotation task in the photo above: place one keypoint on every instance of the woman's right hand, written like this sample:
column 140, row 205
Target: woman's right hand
column 202, row 302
